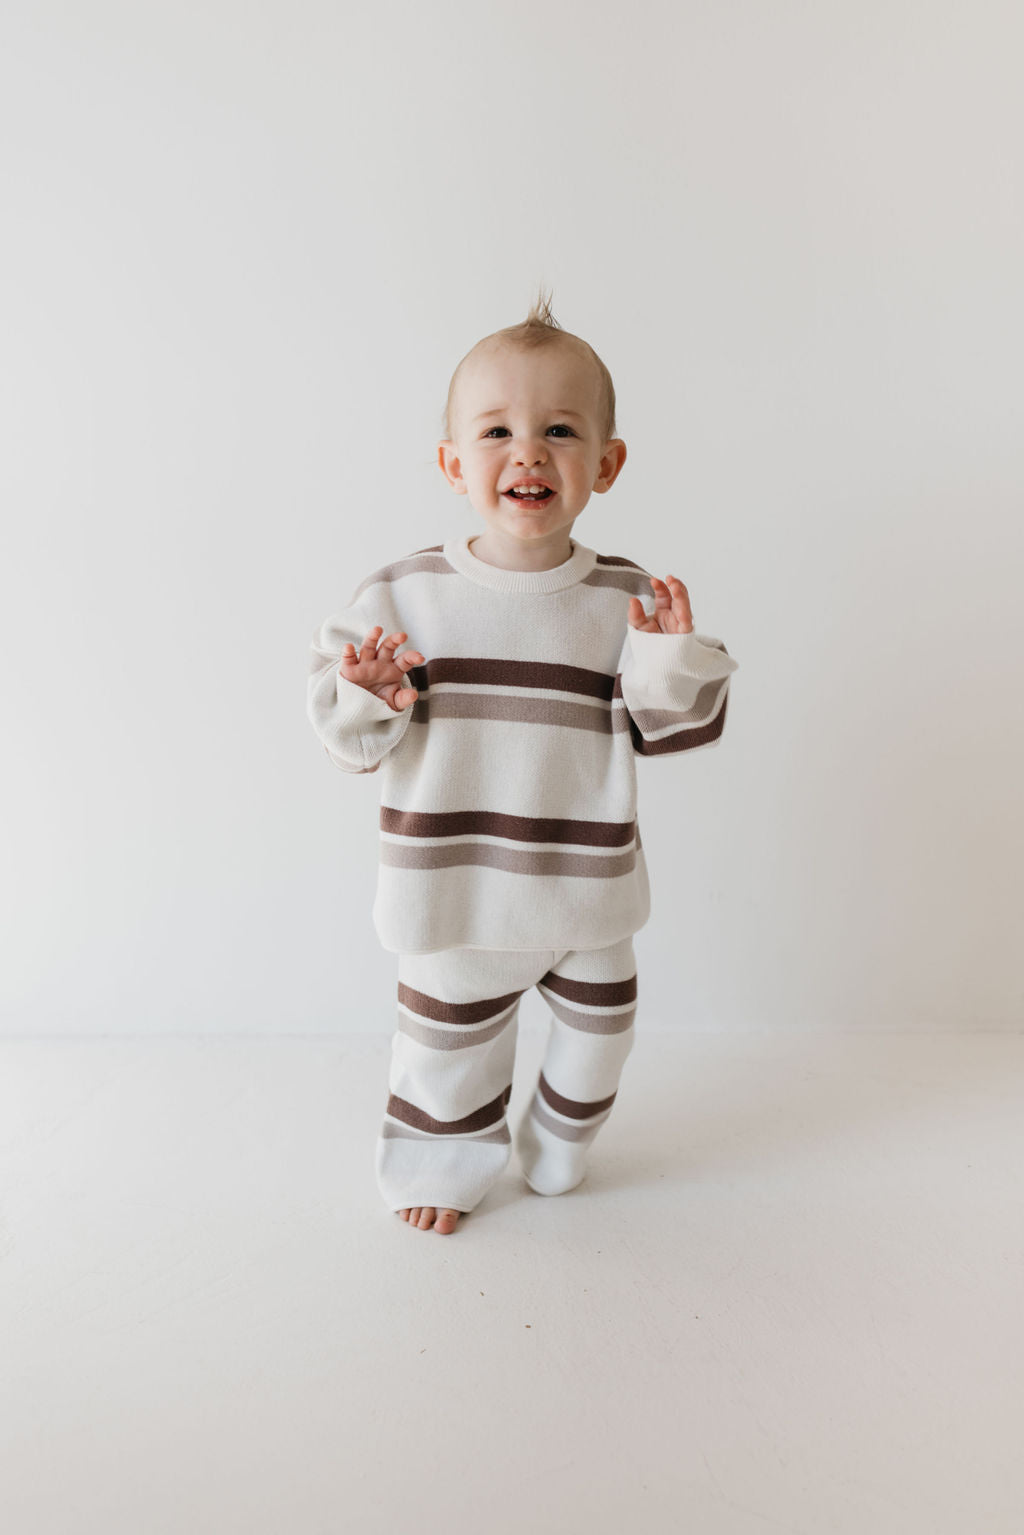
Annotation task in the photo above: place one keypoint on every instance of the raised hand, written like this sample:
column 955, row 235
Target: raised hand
column 377, row 669
column 671, row 614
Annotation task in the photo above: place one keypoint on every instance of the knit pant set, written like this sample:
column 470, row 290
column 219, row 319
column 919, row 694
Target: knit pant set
column 508, row 818
column 445, row 1139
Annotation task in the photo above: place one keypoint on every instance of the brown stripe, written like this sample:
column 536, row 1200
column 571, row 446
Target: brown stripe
column 578, row 1133
column 592, row 993
column 391, row 1130
column 518, row 828
column 618, row 581
column 620, row 559
column 571, row 1107
column 480, row 1119
column 438, row 1011
column 500, row 672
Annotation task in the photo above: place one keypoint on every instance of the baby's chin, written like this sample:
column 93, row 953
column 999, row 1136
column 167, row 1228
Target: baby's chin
column 529, row 521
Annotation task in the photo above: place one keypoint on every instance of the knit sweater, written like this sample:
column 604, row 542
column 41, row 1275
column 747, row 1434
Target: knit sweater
column 508, row 804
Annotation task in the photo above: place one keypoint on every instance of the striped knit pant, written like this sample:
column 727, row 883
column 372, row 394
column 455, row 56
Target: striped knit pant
column 445, row 1140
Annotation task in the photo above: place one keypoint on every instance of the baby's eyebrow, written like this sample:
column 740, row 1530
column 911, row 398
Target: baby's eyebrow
column 503, row 410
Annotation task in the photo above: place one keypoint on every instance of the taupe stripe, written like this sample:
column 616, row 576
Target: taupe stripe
column 619, row 581
column 572, row 1108
column 609, row 570
column 699, row 712
column 680, row 740
column 429, row 561
column 453, row 1039
column 401, row 855
column 492, row 677
column 589, row 1023
column 463, row 1031
column 518, row 710
column 481, row 1119
column 593, row 993
column 517, row 828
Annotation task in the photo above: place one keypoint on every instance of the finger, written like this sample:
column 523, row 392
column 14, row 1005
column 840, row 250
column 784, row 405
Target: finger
column 662, row 614
column 639, row 616
column 672, row 605
column 681, row 604
column 410, row 659
column 393, row 641
column 369, row 650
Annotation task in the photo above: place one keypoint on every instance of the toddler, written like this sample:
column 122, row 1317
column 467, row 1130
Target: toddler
column 508, row 807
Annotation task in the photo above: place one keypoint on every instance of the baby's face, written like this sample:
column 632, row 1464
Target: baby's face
column 529, row 416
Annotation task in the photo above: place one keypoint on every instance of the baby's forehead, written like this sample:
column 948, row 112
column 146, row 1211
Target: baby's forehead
column 491, row 367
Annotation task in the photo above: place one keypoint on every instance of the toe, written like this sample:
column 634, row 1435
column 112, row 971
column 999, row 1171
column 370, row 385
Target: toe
column 447, row 1221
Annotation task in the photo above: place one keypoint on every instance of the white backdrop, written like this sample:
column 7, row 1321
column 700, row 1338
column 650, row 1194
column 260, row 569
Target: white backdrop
column 244, row 249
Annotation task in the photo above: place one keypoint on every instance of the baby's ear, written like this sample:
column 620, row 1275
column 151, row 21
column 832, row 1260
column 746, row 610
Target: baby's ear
column 612, row 460
column 450, row 466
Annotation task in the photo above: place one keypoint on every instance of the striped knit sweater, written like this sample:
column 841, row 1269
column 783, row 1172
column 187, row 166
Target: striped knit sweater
column 508, row 805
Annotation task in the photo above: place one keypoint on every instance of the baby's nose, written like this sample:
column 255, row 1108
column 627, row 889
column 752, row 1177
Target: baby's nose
column 529, row 450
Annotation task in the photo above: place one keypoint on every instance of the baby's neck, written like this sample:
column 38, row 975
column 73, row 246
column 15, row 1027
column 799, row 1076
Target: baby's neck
column 539, row 557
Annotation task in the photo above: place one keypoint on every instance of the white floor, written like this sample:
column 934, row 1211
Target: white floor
column 789, row 1296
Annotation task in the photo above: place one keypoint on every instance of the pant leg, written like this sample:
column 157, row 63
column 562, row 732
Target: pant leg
column 445, row 1138
column 592, row 994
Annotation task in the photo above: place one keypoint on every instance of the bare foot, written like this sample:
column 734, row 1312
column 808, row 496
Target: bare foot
column 423, row 1217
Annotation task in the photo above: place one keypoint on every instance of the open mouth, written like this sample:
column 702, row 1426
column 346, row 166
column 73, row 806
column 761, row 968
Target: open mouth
column 528, row 495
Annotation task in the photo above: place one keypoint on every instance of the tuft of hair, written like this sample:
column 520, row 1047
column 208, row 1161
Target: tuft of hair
column 536, row 329
column 540, row 328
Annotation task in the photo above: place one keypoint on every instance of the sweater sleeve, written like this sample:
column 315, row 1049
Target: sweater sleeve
column 357, row 727
column 675, row 689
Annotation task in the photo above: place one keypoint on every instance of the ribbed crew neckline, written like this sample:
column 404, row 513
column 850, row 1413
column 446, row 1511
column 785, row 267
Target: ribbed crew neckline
column 579, row 565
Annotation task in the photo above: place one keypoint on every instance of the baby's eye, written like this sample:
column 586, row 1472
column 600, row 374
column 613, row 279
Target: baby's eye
column 559, row 427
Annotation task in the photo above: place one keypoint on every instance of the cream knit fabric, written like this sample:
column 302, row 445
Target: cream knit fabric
column 508, row 802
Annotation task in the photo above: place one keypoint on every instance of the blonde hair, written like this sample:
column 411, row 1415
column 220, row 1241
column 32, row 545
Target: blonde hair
column 540, row 328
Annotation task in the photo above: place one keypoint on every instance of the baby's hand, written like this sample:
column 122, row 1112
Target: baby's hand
column 379, row 670
column 671, row 614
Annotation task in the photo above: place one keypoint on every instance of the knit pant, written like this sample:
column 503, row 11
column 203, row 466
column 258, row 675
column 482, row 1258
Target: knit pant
column 445, row 1140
